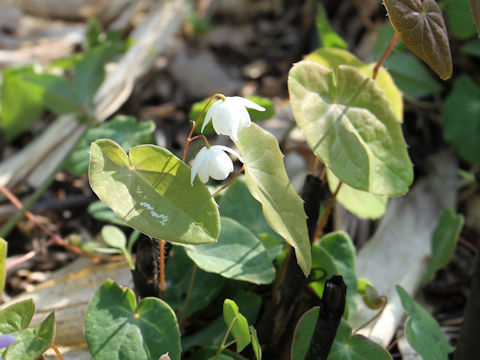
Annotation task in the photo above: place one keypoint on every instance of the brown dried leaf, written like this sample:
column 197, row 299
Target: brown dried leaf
column 475, row 5
column 421, row 26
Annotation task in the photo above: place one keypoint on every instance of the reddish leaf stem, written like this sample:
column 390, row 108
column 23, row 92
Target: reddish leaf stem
column 230, row 182
column 189, row 138
column 189, row 292
column 385, row 54
column 162, row 267
column 328, row 210
column 57, row 352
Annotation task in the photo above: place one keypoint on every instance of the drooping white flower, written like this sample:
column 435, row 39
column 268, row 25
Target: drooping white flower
column 230, row 115
column 213, row 162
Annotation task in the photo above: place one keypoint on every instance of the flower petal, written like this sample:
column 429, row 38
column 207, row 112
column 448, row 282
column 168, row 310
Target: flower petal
column 211, row 113
column 227, row 149
column 248, row 103
column 219, row 164
column 198, row 164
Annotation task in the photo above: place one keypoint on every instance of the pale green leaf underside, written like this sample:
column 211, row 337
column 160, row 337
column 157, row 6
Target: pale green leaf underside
column 150, row 190
column 358, row 202
column 238, row 254
column 268, row 182
column 351, row 127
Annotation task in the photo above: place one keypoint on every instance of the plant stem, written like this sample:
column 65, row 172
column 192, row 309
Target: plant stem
column 222, row 345
column 162, row 267
column 328, row 210
column 385, row 54
column 189, row 138
column 189, row 293
column 229, row 183
column 57, row 352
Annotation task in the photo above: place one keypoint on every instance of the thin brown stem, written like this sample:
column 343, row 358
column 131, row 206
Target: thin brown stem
column 189, row 292
column 315, row 166
column 162, row 267
column 55, row 239
column 328, row 210
column 323, row 173
column 385, row 54
column 203, row 137
column 384, row 298
column 229, row 183
column 57, row 352
column 189, row 138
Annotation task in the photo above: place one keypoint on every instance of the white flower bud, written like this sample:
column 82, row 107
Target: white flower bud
column 213, row 162
column 230, row 115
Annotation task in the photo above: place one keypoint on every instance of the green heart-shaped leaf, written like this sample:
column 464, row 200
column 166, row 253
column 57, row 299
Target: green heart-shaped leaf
column 347, row 346
column 360, row 203
column 238, row 254
column 32, row 343
column 351, row 127
column 420, row 25
column 116, row 327
column 423, row 331
column 268, row 182
column 16, row 317
column 150, row 190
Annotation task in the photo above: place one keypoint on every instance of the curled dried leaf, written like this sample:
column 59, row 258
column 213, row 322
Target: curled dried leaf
column 421, row 26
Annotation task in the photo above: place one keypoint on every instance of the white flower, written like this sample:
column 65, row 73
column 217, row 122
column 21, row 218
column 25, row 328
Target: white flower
column 213, row 162
column 230, row 115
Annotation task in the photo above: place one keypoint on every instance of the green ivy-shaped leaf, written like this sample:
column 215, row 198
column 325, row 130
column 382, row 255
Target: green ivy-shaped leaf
column 124, row 130
column 462, row 123
column 360, row 203
column 421, row 27
column 16, row 317
column 347, row 346
column 268, row 182
column 116, row 327
column 444, row 239
column 32, row 343
column 351, row 127
column 303, row 333
column 333, row 58
column 238, row 254
column 150, row 190
column 423, row 331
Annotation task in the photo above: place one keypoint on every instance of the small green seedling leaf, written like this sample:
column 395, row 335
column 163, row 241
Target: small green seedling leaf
column 124, row 130
column 150, row 190
column 21, row 102
column 268, row 182
column 444, row 239
column 341, row 249
column 303, row 333
column 327, row 36
column 238, row 254
column 351, row 127
column 3, row 263
column 429, row 41
column 360, row 203
column 423, row 331
column 257, row 349
column 347, row 346
column 58, row 94
column 255, row 115
column 461, row 120
column 238, row 324
column 372, row 299
column 32, row 343
column 102, row 212
column 114, row 237
column 16, row 317
column 116, row 327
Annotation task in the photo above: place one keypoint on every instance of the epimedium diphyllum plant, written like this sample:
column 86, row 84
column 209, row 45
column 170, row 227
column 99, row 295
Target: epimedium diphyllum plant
column 351, row 116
